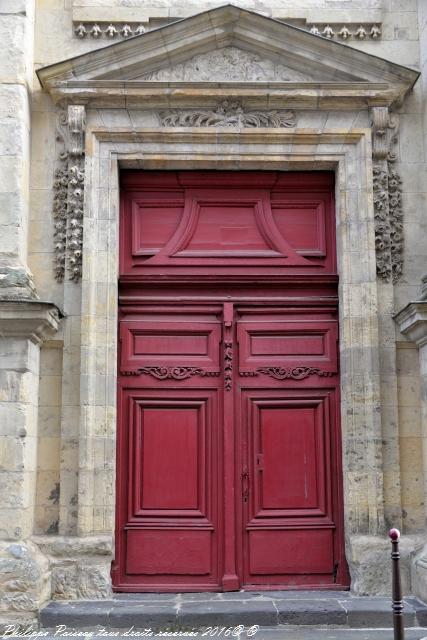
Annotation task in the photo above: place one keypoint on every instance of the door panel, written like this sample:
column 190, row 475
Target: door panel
column 164, row 553
column 177, row 344
column 299, row 555
column 288, row 461
column 169, row 451
column 288, row 387
column 285, row 342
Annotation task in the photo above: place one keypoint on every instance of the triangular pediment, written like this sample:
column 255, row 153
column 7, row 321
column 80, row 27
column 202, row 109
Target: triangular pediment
column 227, row 45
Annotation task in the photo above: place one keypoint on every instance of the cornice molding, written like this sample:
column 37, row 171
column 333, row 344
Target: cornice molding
column 412, row 322
column 34, row 320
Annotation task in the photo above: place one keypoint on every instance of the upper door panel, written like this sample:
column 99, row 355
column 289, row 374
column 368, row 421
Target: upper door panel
column 192, row 223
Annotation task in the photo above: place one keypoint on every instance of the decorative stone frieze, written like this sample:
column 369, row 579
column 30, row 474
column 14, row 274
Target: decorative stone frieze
column 387, row 186
column 227, row 114
column 69, row 193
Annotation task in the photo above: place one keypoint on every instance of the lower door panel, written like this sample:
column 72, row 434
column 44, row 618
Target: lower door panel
column 170, row 448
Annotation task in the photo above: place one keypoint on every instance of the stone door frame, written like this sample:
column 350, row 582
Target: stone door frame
column 349, row 155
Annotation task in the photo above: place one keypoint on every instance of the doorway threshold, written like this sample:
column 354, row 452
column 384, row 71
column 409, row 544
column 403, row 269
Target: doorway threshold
column 186, row 611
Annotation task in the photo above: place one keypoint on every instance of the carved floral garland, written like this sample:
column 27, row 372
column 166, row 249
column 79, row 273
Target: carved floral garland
column 387, row 186
column 68, row 197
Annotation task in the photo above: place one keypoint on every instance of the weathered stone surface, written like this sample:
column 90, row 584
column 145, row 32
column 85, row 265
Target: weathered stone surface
column 80, row 566
column 307, row 612
column 370, row 566
column 419, row 574
column 73, row 546
column 24, row 577
column 16, row 283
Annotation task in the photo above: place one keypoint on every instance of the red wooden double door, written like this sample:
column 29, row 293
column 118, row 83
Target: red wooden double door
column 229, row 472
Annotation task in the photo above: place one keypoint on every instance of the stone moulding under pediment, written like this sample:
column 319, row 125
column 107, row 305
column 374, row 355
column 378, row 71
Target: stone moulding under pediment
column 223, row 52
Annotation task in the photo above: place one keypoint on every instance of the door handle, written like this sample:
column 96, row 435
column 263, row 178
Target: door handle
column 245, row 484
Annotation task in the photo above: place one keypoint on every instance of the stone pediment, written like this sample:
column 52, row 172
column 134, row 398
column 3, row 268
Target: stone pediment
column 224, row 50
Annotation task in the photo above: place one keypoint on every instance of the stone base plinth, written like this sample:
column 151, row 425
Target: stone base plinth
column 370, row 567
column 80, row 566
column 419, row 575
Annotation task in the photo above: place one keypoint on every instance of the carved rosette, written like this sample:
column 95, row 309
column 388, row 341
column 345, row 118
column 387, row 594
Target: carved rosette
column 170, row 373
column 68, row 198
column 387, row 197
column 293, row 373
column 228, row 114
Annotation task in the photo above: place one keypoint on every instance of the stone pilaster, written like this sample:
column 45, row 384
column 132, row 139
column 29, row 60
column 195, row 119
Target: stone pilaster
column 16, row 68
column 412, row 321
column 23, row 326
column 388, row 246
column 24, row 583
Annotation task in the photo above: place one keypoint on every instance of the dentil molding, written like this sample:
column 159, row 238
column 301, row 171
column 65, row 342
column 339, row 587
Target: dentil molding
column 117, row 30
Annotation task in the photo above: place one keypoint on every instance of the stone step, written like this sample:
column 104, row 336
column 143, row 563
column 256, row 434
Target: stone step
column 279, row 632
column 197, row 610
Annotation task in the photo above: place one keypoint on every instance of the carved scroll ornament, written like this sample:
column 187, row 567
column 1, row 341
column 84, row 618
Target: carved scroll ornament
column 293, row 373
column 228, row 114
column 68, row 187
column 170, row 373
column 387, row 185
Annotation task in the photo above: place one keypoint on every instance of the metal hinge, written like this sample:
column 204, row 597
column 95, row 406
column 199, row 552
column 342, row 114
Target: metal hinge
column 336, row 565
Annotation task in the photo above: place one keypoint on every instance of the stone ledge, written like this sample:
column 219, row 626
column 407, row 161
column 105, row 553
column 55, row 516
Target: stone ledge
column 70, row 546
column 32, row 319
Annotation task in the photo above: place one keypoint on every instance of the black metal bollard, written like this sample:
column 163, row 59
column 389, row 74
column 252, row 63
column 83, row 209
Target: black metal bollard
column 397, row 606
